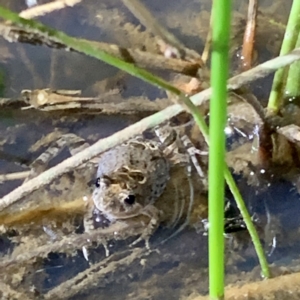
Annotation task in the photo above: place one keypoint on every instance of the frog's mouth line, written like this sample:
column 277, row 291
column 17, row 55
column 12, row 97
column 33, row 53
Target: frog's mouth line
column 122, row 213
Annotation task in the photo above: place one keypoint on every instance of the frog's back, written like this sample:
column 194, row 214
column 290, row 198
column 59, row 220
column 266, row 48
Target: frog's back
column 141, row 156
column 112, row 160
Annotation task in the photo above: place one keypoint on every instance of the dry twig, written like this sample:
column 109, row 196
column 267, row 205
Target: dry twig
column 68, row 244
column 132, row 106
column 14, row 176
column 282, row 287
column 249, row 35
column 95, row 273
column 206, row 50
column 140, row 58
column 7, row 292
column 47, row 8
column 145, row 17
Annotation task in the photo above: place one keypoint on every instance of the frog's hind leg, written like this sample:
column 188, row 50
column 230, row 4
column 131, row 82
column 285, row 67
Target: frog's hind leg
column 181, row 151
column 179, row 148
column 192, row 151
column 72, row 141
column 189, row 211
column 178, row 208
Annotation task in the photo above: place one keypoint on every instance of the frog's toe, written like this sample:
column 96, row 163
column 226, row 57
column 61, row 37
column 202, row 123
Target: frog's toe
column 142, row 238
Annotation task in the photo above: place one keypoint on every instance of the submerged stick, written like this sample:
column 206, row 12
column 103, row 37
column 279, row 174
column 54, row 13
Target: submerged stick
column 116, row 231
column 47, row 8
column 140, row 58
column 278, row 288
column 14, row 176
column 100, row 272
column 249, row 35
column 207, row 46
column 7, row 292
column 140, row 11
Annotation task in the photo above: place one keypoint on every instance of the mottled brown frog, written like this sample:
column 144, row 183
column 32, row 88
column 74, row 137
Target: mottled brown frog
column 130, row 178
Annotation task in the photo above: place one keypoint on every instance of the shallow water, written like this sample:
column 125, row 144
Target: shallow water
column 177, row 268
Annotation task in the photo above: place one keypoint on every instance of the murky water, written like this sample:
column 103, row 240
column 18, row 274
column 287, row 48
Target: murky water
column 173, row 270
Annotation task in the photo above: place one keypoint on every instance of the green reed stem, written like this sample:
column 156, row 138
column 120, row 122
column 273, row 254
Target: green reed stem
column 250, row 226
column 292, row 89
column 92, row 50
column 288, row 44
column 218, row 114
column 216, row 280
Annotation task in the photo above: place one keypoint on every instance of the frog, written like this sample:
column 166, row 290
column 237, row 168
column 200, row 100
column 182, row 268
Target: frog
column 130, row 177
column 133, row 175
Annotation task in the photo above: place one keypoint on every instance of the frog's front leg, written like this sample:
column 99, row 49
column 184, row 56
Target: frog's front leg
column 88, row 224
column 150, row 212
column 88, row 219
column 153, row 214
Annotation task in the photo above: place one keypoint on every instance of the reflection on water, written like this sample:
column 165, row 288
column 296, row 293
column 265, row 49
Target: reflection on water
column 172, row 270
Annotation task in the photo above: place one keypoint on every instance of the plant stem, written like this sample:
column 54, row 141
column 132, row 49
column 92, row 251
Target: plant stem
column 292, row 89
column 288, row 44
column 218, row 113
column 250, row 226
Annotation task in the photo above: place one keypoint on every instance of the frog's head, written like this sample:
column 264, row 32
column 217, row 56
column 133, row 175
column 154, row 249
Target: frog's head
column 117, row 197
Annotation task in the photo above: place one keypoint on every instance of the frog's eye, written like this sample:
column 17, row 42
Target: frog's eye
column 104, row 181
column 130, row 199
column 97, row 183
